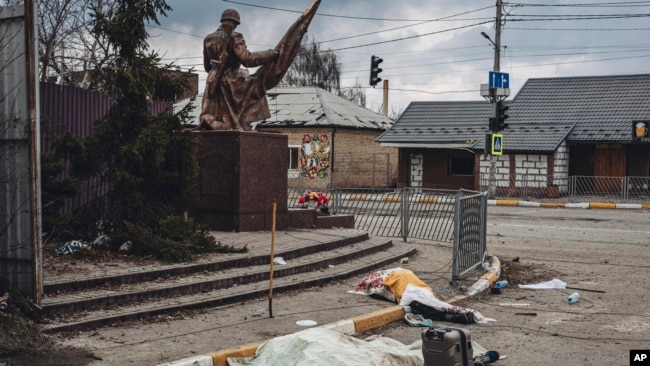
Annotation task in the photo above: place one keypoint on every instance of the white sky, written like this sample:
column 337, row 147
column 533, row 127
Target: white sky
column 445, row 57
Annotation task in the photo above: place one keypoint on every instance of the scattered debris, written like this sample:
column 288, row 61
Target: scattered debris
column 417, row 320
column 125, row 247
column 553, row 284
column 73, row 246
column 585, row 289
column 306, row 323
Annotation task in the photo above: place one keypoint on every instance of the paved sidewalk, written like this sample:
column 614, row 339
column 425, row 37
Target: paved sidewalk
column 352, row 326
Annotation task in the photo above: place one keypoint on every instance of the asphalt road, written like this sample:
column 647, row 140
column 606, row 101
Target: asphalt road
column 598, row 250
column 604, row 251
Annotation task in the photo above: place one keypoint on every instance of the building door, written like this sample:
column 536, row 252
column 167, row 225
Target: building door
column 609, row 168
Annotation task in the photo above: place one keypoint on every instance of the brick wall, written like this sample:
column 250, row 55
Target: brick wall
column 357, row 159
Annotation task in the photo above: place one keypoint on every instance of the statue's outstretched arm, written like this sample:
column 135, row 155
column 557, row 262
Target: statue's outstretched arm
column 252, row 59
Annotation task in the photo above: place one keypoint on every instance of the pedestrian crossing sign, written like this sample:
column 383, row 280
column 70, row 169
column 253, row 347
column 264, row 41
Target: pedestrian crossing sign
column 497, row 144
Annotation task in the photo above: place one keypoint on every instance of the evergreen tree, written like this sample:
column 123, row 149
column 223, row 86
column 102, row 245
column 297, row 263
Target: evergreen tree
column 147, row 160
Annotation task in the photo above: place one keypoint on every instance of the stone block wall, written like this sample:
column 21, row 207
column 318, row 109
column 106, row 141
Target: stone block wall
column 530, row 174
column 417, row 170
column 561, row 168
column 531, row 171
column 501, row 170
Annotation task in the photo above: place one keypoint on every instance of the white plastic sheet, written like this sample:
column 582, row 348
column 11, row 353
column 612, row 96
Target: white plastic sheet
column 553, row 284
column 323, row 347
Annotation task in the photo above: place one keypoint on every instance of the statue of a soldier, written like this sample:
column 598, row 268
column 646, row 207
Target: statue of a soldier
column 233, row 98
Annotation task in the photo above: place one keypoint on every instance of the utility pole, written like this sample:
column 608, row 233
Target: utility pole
column 31, row 82
column 494, row 97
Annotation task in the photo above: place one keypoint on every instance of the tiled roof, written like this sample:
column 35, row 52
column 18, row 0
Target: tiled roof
column 602, row 107
column 440, row 123
column 315, row 107
column 543, row 114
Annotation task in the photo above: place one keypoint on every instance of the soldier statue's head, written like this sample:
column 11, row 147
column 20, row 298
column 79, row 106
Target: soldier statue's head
column 230, row 14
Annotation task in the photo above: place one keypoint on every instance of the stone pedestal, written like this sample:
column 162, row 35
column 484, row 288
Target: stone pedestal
column 241, row 173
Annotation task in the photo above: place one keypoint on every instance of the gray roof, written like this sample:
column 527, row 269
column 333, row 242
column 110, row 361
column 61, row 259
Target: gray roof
column 466, row 123
column 316, row 107
column 602, row 107
column 542, row 115
column 440, row 123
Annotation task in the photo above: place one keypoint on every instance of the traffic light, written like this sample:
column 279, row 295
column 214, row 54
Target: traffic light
column 375, row 70
column 502, row 115
column 493, row 124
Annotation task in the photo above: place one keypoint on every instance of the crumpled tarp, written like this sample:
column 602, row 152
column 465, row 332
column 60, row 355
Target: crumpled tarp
column 325, row 347
column 318, row 346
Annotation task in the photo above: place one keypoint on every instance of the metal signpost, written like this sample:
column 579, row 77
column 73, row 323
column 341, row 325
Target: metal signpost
column 498, row 88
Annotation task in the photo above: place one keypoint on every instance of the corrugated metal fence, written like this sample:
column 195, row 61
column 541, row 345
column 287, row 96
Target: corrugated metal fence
column 75, row 110
column 17, row 240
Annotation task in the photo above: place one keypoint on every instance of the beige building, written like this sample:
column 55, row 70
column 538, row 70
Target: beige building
column 331, row 140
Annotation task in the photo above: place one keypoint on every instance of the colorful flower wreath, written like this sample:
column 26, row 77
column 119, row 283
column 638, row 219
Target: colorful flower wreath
column 318, row 198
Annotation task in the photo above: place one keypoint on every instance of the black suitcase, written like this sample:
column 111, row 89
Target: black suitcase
column 442, row 346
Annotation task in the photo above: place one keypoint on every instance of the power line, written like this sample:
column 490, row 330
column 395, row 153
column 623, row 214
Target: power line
column 574, row 17
column 350, row 16
column 581, row 29
column 406, row 26
column 411, row 37
column 621, row 4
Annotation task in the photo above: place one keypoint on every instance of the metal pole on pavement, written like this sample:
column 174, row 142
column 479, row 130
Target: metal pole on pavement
column 493, row 97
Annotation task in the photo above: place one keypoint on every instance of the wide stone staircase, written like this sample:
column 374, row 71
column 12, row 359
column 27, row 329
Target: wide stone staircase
column 121, row 292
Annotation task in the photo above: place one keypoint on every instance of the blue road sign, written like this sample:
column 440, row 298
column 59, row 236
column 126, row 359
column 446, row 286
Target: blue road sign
column 499, row 80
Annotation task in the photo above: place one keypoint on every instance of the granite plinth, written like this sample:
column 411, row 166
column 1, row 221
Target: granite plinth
column 241, row 174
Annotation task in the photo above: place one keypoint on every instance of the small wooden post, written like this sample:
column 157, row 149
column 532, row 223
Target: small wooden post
column 272, row 261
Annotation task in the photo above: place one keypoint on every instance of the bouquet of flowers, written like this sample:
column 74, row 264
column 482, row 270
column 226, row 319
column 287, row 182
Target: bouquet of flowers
column 317, row 199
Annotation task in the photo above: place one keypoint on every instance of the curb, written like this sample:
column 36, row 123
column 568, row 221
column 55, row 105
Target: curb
column 351, row 326
column 592, row 205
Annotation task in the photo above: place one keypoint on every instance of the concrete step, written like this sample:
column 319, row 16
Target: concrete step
column 76, row 301
column 89, row 309
column 135, row 274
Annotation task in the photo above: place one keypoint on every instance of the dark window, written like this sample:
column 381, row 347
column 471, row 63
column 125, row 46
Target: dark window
column 461, row 165
column 293, row 157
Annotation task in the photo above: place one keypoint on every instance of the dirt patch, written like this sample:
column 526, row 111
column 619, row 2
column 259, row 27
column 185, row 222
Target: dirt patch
column 86, row 260
column 517, row 272
column 23, row 342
